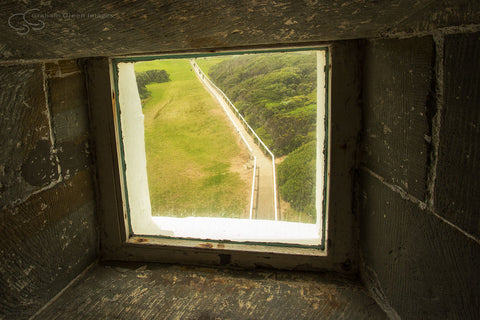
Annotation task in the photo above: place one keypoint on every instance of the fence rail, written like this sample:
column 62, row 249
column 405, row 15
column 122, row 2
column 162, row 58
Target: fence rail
column 253, row 187
column 254, row 135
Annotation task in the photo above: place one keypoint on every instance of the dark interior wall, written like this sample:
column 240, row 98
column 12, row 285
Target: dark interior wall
column 47, row 208
column 418, row 183
column 70, row 29
column 419, row 178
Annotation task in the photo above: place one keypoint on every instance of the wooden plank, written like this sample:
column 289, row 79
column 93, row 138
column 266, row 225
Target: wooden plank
column 101, row 28
column 153, row 291
column 110, row 208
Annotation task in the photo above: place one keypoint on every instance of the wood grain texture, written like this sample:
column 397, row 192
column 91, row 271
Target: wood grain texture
column 102, row 28
column 110, row 209
column 421, row 265
column 136, row 291
column 345, row 127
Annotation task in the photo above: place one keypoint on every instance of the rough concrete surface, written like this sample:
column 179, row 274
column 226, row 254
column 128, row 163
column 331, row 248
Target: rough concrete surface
column 27, row 162
column 153, row 291
column 398, row 100
column 458, row 176
column 47, row 205
column 423, row 267
column 418, row 184
column 418, row 187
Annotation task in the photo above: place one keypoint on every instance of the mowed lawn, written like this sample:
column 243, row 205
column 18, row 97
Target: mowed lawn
column 190, row 148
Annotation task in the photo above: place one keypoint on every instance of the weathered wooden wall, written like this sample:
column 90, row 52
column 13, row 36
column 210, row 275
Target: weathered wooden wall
column 47, row 221
column 342, row 243
column 153, row 291
column 99, row 28
column 419, row 181
column 418, row 186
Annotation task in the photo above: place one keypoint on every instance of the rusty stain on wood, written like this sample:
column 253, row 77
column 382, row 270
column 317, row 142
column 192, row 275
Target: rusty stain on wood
column 141, row 240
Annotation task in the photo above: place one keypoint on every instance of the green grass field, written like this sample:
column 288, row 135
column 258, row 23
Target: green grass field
column 190, row 148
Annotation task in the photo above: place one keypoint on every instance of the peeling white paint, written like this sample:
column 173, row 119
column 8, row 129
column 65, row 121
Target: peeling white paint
column 133, row 136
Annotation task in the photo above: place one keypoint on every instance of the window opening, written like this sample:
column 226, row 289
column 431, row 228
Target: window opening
column 225, row 147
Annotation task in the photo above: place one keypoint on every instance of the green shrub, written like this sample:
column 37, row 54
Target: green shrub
column 296, row 178
column 273, row 92
column 149, row 76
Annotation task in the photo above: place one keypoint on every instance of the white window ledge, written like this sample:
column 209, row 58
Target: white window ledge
column 239, row 230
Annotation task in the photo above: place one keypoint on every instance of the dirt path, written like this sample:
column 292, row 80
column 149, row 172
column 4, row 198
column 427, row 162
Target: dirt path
column 264, row 196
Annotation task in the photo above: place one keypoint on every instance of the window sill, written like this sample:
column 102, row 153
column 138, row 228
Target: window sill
column 239, row 230
column 340, row 253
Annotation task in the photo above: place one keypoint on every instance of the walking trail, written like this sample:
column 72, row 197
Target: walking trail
column 264, row 195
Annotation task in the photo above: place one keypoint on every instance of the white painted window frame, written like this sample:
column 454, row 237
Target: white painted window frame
column 259, row 235
column 340, row 253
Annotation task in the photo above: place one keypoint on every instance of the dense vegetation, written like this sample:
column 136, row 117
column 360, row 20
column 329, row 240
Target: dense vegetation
column 147, row 77
column 296, row 178
column 276, row 93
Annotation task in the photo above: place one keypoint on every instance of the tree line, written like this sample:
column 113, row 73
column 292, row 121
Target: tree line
column 150, row 76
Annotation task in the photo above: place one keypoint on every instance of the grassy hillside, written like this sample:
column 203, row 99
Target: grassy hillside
column 205, row 63
column 190, row 148
column 276, row 93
